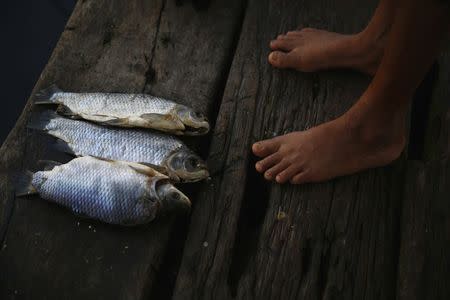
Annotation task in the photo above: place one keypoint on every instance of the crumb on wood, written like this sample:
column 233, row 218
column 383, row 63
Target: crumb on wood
column 281, row 216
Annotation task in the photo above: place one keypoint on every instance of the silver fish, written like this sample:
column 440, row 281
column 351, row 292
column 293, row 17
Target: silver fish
column 127, row 110
column 111, row 191
column 165, row 153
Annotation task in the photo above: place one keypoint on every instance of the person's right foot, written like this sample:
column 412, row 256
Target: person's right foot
column 369, row 135
column 310, row 50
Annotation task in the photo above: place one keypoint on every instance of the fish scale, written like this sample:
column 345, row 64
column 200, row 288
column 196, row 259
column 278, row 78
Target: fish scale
column 164, row 152
column 118, row 105
column 130, row 145
column 113, row 192
column 98, row 192
column 126, row 110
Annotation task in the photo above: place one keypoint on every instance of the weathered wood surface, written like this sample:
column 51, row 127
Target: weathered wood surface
column 437, row 129
column 424, row 264
column 336, row 238
column 168, row 48
column 379, row 234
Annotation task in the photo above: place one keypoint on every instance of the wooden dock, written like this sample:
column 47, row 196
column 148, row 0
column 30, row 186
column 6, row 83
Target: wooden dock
column 379, row 234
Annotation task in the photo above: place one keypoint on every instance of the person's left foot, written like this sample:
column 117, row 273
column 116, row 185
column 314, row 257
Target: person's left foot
column 311, row 49
column 332, row 149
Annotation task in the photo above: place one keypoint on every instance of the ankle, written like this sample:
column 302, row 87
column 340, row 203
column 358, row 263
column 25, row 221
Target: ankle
column 376, row 128
column 370, row 42
column 368, row 50
column 373, row 35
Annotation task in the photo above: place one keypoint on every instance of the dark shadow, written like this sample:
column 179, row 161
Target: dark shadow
column 419, row 113
column 30, row 30
column 251, row 218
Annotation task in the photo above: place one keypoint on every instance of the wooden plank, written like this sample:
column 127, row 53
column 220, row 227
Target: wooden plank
column 437, row 131
column 424, row 264
column 337, row 239
column 425, row 226
column 168, row 48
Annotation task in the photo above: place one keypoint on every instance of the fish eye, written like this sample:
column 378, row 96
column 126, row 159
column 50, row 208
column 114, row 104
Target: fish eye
column 174, row 196
column 196, row 115
column 193, row 162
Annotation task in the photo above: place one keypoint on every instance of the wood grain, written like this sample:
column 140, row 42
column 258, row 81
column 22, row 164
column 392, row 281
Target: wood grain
column 424, row 264
column 425, row 217
column 437, row 130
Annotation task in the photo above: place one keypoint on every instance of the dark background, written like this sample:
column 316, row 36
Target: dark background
column 30, row 30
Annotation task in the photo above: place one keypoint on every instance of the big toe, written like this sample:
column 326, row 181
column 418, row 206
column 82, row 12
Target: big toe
column 264, row 148
column 282, row 60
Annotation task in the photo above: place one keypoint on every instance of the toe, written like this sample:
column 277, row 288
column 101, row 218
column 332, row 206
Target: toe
column 293, row 33
column 288, row 173
column 275, row 170
column 300, row 178
column 264, row 148
column 267, row 162
column 282, row 44
column 282, row 60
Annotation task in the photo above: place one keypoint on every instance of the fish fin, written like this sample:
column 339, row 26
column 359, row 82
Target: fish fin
column 48, row 165
column 159, row 169
column 64, row 110
column 165, row 123
column 22, row 182
column 146, row 170
column 151, row 117
column 40, row 120
column 45, row 96
column 101, row 158
column 116, row 122
column 62, row 146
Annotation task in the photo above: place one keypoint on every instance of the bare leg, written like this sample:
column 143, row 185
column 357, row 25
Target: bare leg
column 372, row 132
column 312, row 49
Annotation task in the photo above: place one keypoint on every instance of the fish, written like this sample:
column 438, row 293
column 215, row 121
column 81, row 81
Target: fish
column 165, row 153
column 114, row 192
column 127, row 110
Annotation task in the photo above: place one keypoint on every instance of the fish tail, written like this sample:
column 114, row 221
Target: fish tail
column 64, row 110
column 39, row 120
column 45, row 96
column 48, row 165
column 62, row 146
column 22, row 182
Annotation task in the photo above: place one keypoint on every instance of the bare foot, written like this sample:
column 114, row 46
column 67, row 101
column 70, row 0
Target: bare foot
column 310, row 49
column 354, row 142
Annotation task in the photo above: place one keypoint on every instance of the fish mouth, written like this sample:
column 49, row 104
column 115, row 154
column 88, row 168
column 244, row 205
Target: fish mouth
column 171, row 199
column 188, row 176
column 201, row 129
column 193, row 176
column 194, row 123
